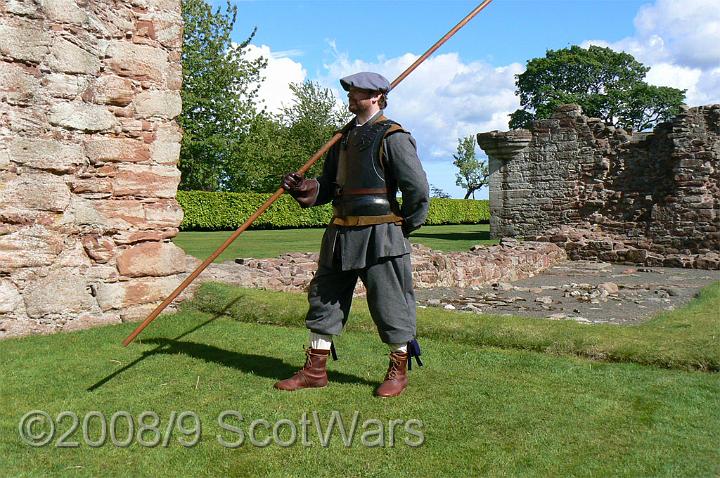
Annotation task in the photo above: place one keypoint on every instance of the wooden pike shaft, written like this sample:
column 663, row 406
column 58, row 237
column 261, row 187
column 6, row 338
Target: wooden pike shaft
column 155, row 313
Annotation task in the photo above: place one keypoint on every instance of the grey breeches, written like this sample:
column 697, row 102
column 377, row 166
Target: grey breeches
column 390, row 298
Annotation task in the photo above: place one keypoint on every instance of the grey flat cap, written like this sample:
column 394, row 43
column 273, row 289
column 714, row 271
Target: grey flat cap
column 366, row 80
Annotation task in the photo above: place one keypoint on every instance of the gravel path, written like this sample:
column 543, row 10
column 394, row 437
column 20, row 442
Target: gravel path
column 587, row 292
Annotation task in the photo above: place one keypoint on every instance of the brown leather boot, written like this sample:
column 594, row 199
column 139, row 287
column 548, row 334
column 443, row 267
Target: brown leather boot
column 312, row 375
column 396, row 377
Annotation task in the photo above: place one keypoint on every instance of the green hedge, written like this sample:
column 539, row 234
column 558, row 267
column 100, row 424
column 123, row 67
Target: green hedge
column 218, row 211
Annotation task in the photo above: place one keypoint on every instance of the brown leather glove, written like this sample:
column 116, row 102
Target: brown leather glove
column 303, row 190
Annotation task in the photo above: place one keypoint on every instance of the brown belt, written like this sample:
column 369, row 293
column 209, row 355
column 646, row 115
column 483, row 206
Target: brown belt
column 367, row 220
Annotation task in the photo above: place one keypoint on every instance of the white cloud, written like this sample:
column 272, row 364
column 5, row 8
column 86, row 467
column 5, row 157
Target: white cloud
column 443, row 100
column 447, row 98
column 690, row 30
column 281, row 70
column 680, row 41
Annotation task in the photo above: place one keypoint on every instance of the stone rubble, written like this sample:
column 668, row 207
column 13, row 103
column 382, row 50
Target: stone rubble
column 599, row 293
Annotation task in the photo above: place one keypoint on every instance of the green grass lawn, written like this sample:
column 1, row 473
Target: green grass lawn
column 498, row 396
column 271, row 243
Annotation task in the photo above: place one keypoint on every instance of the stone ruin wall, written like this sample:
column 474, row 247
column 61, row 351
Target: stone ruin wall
column 88, row 149
column 606, row 194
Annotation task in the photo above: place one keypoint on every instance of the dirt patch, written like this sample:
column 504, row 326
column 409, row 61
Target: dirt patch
column 587, row 292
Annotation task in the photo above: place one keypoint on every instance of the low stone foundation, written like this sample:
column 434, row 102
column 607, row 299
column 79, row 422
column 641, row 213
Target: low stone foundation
column 589, row 242
column 509, row 261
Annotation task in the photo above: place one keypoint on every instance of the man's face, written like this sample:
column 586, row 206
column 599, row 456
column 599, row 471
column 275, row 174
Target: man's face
column 360, row 101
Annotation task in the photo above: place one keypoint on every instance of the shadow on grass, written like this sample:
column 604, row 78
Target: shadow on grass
column 257, row 364
column 455, row 236
column 154, row 351
column 260, row 365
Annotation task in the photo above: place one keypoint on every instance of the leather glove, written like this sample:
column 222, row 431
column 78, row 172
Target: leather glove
column 291, row 182
column 303, row 190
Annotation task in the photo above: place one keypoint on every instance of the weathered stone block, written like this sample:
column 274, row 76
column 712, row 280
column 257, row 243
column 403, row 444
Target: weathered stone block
column 164, row 213
column 46, row 154
column 165, row 153
column 83, row 212
column 99, row 248
column 73, row 256
column 710, row 260
column 121, row 214
column 61, row 292
column 135, row 292
column 110, row 295
column 4, row 158
column 110, row 90
column 144, row 181
column 82, row 116
column 24, row 40
column 126, row 150
column 158, row 103
column 61, row 85
column 92, row 188
column 136, row 312
column 21, row 7
column 137, row 61
column 19, row 84
column 69, row 58
column 133, row 237
column 151, row 259
column 32, row 246
column 38, row 191
column 10, row 298
column 63, row 11
column 168, row 31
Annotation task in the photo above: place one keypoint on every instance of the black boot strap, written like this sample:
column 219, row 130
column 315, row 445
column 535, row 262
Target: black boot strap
column 413, row 348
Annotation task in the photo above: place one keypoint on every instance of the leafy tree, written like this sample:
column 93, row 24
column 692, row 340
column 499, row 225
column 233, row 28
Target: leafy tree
column 473, row 172
column 437, row 192
column 280, row 143
column 218, row 94
column 254, row 160
column 606, row 84
column 311, row 119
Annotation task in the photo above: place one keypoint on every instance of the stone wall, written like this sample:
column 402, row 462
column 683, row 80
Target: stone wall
column 604, row 193
column 88, row 149
column 506, row 262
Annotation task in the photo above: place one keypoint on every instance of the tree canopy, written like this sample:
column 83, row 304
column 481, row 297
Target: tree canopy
column 218, row 94
column 472, row 172
column 280, row 143
column 607, row 84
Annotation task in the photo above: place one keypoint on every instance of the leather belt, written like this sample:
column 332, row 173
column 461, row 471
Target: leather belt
column 367, row 220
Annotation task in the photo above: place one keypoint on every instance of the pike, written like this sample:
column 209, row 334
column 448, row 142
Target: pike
column 324, row 149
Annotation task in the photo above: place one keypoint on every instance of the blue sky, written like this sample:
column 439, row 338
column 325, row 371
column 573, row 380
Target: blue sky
column 468, row 85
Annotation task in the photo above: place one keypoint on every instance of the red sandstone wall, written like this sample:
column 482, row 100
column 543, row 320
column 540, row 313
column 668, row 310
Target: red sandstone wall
column 89, row 91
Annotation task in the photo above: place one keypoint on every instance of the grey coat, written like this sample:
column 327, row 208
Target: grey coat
column 363, row 246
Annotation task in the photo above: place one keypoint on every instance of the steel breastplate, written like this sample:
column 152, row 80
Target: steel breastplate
column 361, row 188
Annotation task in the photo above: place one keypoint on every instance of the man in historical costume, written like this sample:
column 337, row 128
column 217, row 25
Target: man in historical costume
column 367, row 237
